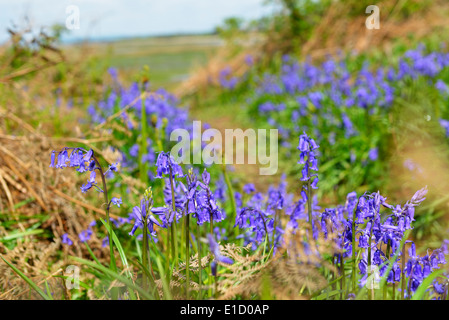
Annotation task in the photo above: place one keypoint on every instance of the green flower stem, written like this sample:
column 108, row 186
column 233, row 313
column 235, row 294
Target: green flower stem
column 173, row 225
column 231, row 197
column 388, row 258
column 403, row 272
column 394, row 287
column 354, row 262
column 343, row 277
column 187, row 220
column 211, row 232
column 200, row 281
column 371, row 295
column 267, row 240
column 309, row 203
column 145, row 255
column 113, row 265
column 167, row 264
column 143, row 143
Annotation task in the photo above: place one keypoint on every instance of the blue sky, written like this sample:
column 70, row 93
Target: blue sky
column 127, row 18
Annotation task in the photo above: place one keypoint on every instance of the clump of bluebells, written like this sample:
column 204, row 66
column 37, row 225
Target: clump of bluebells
column 341, row 105
column 158, row 110
column 367, row 231
column 359, row 228
column 85, row 161
column 82, row 161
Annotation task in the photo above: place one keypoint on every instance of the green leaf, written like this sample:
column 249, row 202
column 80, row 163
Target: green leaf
column 328, row 294
column 27, row 280
column 122, row 255
column 21, row 234
column 114, row 275
column 48, row 290
column 119, row 248
column 165, row 285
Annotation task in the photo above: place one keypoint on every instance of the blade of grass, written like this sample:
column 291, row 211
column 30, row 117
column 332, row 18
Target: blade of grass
column 165, row 285
column 48, row 291
column 113, row 274
column 27, row 280
column 119, row 249
column 21, row 234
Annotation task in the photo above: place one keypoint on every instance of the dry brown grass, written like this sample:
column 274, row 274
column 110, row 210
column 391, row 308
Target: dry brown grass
column 292, row 274
column 25, row 177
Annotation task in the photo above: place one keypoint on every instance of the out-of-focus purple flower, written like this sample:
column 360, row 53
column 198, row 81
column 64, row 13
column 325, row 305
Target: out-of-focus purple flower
column 66, row 240
column 249, row 188
column 85, row 235
column 249, row 59
column 105, row 242
column 445, row 124
column 373, row 154
column 215, row 249
column 116, row 201
column 442, row 87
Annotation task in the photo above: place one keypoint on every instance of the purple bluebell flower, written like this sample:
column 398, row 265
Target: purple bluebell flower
column 373, row 154
column 445, row 125
column 249, row 188
column 105, row 242
column 166, row 163
column 147, row 211
column 66, row 240
column 215, row 249
column 85, row 235
column 249, row 59
column 307, row 146
column 116, row 201
column 442, row 87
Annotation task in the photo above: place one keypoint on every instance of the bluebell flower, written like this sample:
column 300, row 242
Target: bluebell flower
column 164, row 163
column 442, row 87
column 215, row 249
column 116, row 201
column 373, row 154
column 66, row 239
column 146, row 211
column 85, row 235
column 249, row 188
column 105, row 242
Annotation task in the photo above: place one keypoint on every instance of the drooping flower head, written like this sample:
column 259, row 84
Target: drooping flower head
column 80, row 159
column 165, row 164
column 307, row 158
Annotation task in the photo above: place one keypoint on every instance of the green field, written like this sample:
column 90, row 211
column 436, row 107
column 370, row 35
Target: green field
column 170, row 59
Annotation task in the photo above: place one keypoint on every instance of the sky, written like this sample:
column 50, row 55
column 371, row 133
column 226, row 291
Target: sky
column 103, row 19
